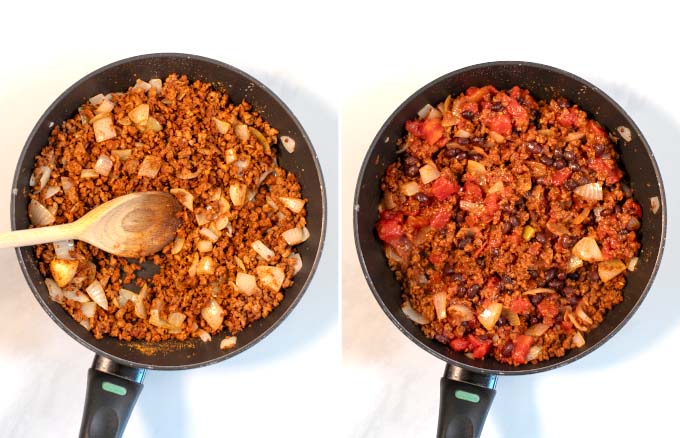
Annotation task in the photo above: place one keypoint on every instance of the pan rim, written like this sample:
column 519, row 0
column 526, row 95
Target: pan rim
column 374, row 289
column 323, row 219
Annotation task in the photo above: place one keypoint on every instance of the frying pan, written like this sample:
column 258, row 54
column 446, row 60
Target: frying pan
column 115, row 379
column 468, row 385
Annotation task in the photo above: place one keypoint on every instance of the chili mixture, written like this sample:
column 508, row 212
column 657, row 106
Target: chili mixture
column 508, row 223
column 242, row 214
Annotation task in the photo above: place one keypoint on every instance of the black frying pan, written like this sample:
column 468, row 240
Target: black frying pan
column 115, row 379
column 467, row 389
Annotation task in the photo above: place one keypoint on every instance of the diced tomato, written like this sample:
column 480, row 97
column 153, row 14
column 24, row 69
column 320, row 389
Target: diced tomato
column 521, row 348
column 632, row 207
column 469, row 106
column 472, row 191
column 594, row 128
column 614, row 176
column 415, row 127
column 491, row 204
column 560, row 177
column 392, row 214
column 520, row 305
column 567, row 117
column 514, row 92
column 500, row 122
column 432, row 130
column 442, row 188
column 566, row 325
column 440, row 219
column 479, row 348
column 548, row 308
column 606, row 168
column 437, row 258
column 459, row 344
column 519, row 114
column 389, row 229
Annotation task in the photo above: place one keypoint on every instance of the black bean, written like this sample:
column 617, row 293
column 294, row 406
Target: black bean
column 574, row 166
column 561, row 276
column 573, row 276
column 495, row 252
column 462, row 140
column 506, row 227
column 501, row 321
column 550, row 274
column 573, row 300
column 533, row 320
column 479, row 141
column 582, row 179
column 460, row 217
column 410, row 160
column 506, row 351
column 441, row 338
column 570, row 184
column 563, row 103
column 558, row 154
column 475, row 156
column 532, row 273
column 480, row 262
column 513, row 221
column 461, row 155
column 559, row 164
column 507, row 279
column 540, row 237
column 536, row 299
column 540, row 181
column 471, row 294
column 569, row 241
column 496, row 106
column 546, row 160
column 462, row 291
column 457, row 276
column 467, row 114
column 606, row 212
column 623, row 232
column 534, row 147
column 594, row 276
column 464, row 242
column 599, row 150
column 569, row 155
column 412, row 171
column 474, row 289
column 450, row 153
column 519, row 205
column 568, row 291
column 422, row 197
column 617, row 209
column 556, row 284
column 559, row 318
column 447, row 269
column 541, row 283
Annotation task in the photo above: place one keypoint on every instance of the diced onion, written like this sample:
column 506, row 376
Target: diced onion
column 259, row 137
column 63, row 271
column 655, row 204
column 142, row 85
column 213, row 314
column 106, row 106
column 150, row 166
column 512, row 317
column 45, row 173
column 124, row 296
column 155, row 320
column 295, row 236
column 537, row 330
column 271, row 277
column 410, row 188
column 208, row 234
column 88, row 174
column 557, row 228
column 39, row 214
column 573, row 264
column 104, row 129
column 475, row 168
column 230, row 156
column 206, row 266
column 51, row 191
column 96, row 292
column 424, row 111
column 201, row 217
column 392, row 254
column 539, row 290
column 221, row 126
column 412, row 314
column 574, row 136
column 204, row 246
column 591, row 192
column 152, row 124
column 533, row 353
column 610, row 269
column 177, row 245
column 498, row 138
column 140, row 114
column 582, row 315
column 570, row 316
column 489, row 316
column 194, row 265
column 462, row 133
column 429, row 173
column 496, row 187
column 228, row 343
column 439, row 300
column 292, row 204
column 157, row 84
column 185, row 198
column 56, row 293
column 96, row 100
column 241, row 131
column 89, row 309
column 205, row 336
column 262, row 250
column 222, row 222
column 66, row 184
column 246, row 283
column 175, row 319
column 632, row 264
column 238, row 193
column 122, row 154
column 587, row 250
column 62, row 249
column 103, row 165
column 86, row 324
column 76, row 295
column 288, row 143
column 470, row 206
column 241, row 165
column 140, row 308
column 298, row 262
column 578, row 340
column 461, row 313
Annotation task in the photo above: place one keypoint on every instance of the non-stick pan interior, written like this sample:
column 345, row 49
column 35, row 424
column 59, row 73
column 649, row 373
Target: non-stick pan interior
column 303, row 163
column 545, row 83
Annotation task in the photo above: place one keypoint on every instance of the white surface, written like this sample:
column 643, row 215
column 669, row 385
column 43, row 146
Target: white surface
column 624, row 389
column 273, row 389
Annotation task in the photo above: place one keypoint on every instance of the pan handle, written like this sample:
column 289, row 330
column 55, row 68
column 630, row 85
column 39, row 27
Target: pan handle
column 112, row 390
column 466, row 398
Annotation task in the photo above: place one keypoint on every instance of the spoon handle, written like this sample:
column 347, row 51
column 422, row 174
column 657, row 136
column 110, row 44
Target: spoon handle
column 34, row 236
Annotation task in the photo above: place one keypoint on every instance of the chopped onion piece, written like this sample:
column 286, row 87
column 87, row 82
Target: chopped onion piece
column 570, row 316
column 573, row 264
column 104, row 129
column 228, row 343
column 295, row 236
column 152, row 124
column 512, row 317
column 470, row 206
column 142, row 85
column 271, row 277
column 632, row 264
column 106, row 106
column 412, row 314
column 221, row 126
column 591, row 192
column 537, row 330
column 206, row 266
column 241, row 165
column 205, row 336
column 288, row 144
column 51, row 191
column 462, row 133
column 86, row 324
column 222, row 222
column 610, row 269
column 150, row 166
column 63, row 271
column 534, row 352
column 262, row 250
column 155, row 319
column 461, row 313
column 140, row 114
column 175, row 319
column 103, row 165
column 259, row 137
column 62, row 249
column 578, row 340
column 556, row 228
column 655, row 204
column 246, row 283
column 230, row 156
column 204, row 246
column 241, row 131
column 185, row 198
column 292, row 204
column 122, row 154
column 439, row 300
column 496, row 187
column 56, row 293
column 157, row 84
column 194, row 265
column 498, row 138
column 429, row 173
column 392, row 254
column 96, row 100
column 45, row 173
column 177, row 245
column 238, row 193
column 201, row 217
column 89, row 309
column 76, row 295
column 539, row 290
column 587, row 250
column 582, row 315
column 208, row 234
column 574, row 136
column 88, row 174
column 410, row 188
column 298, row 262
column 126, row 295
column 213, row 314
column 489, row 316
column 96, row 292
column 140, row 308
column 475, row 168
column 424, row 111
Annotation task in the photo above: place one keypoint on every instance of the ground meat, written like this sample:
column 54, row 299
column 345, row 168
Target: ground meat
column 485, row 216
column 193, row 138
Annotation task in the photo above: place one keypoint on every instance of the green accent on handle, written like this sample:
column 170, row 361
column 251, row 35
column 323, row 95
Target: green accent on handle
column 467, row 396
column 119, row 390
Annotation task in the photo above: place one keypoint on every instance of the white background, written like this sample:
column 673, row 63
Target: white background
column 626, row 388
column 274, row 389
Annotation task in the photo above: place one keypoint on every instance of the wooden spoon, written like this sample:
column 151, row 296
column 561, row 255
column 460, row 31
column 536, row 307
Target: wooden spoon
column 134, row 225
